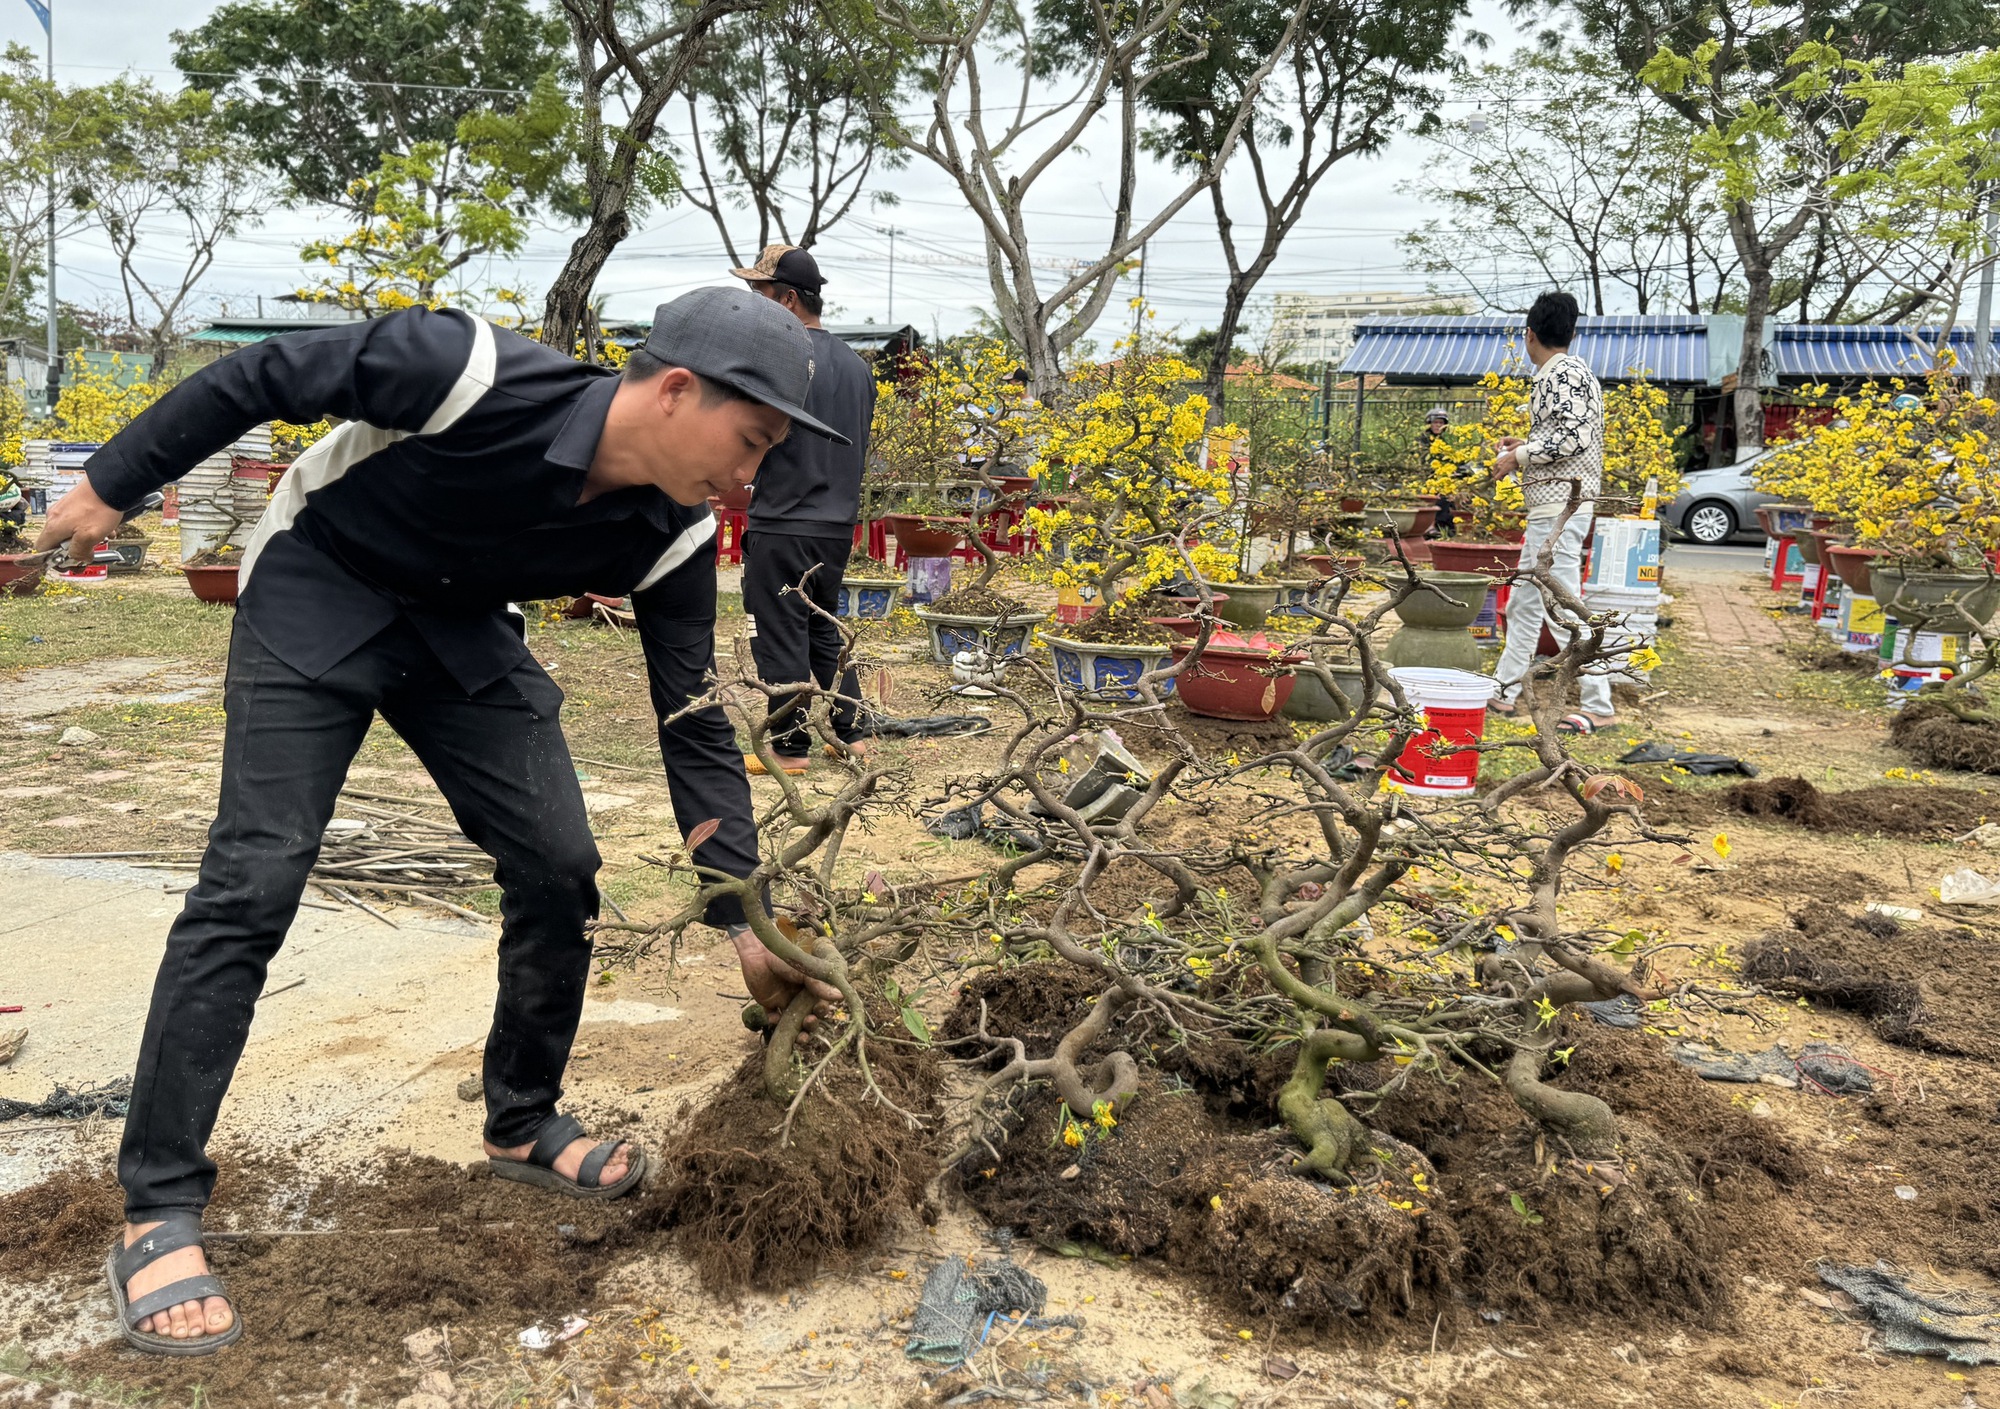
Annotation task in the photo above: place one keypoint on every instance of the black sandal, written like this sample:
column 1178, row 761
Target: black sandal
column 539, row 1168
column 179, row 1228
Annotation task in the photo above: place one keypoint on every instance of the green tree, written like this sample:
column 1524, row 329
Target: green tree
column 1348, row 73
column 626, row 66
column 323, row 89
column 1763, row 85
column 1570, row 167
column 787, row 112
column 46, row 134
column 167, row 180
column 429, row 213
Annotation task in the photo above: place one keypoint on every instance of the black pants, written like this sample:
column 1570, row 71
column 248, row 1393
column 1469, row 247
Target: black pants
column 500, row 759
column 792, row 643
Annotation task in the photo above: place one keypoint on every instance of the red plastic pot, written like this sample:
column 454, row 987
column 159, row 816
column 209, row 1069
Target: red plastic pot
column 213, row 584
column 922, row 536
column 1179, row 625
column 1497, row 560
column 1014, row 486
column 1234, row 678
column 18, row 575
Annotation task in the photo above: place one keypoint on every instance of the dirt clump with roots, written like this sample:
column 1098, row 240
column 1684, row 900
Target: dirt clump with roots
column 752, row 1211
column 1938, row 736
column 1919, row 986
column 1927, row 812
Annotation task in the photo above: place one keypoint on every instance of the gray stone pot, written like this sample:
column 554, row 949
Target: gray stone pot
column 1249, row 603
column 1313, row 702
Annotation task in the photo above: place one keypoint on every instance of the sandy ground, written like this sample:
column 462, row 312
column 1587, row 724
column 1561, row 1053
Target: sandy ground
column 368, row 1030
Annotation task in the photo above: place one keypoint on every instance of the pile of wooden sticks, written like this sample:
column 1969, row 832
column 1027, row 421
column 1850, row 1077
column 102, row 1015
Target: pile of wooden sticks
column 380, row 846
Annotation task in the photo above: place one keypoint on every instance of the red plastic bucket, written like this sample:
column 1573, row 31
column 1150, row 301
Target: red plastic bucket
column 1454, row 705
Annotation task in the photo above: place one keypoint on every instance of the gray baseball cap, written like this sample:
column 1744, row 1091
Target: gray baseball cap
column 734, row 337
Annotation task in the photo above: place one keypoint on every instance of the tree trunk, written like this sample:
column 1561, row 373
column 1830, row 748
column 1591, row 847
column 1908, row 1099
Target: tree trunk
column 567, row 312
column 1216, row 385
column 1750, row 366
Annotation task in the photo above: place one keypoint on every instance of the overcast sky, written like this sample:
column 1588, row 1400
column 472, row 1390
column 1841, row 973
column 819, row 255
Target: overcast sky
column 1346, row 242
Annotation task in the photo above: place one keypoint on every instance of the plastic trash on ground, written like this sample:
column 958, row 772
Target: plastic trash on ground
column 1966, row 886
column 1921, row 1315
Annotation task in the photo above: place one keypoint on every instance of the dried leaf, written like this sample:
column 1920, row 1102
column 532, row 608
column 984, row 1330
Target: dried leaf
column 885, row 686
column 703, row 832
column 10, row 1044
column 1613, row 784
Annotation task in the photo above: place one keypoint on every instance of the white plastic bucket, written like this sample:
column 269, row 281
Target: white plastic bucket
column 1454, row 705
column 1625, row 554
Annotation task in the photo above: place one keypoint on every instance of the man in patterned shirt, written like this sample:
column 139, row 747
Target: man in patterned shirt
column 1563, row 455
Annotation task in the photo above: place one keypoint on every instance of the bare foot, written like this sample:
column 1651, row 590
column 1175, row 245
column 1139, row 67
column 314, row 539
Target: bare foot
column 571, row 1159
column 209, row 1316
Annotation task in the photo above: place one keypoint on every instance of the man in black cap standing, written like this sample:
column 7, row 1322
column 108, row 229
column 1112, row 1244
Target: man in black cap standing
column 475, row 468
column 802, row 516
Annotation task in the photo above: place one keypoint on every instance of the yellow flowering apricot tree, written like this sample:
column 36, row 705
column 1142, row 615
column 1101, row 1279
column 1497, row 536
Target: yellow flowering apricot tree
column 97, row 403
column 1140, row 509
column 1638, row 446
column 1461, row 462
column 1911, row 470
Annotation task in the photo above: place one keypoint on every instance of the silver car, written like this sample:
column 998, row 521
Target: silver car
column 1719, row 504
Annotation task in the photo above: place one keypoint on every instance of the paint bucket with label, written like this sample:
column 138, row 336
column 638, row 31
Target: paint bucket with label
column 1437, row 762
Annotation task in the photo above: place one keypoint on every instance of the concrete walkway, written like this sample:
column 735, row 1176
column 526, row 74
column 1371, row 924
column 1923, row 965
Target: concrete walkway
column 376, row 1007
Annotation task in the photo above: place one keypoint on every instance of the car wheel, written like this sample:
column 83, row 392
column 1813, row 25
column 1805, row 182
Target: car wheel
column 1710, row 523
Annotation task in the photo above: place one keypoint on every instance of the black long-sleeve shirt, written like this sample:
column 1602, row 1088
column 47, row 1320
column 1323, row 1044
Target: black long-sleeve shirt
column 808, row 486
column 449, row 493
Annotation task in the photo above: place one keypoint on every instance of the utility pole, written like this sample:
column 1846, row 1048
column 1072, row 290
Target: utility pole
column 1139, row 312
column 1982, row 328
column 42, row 9
column 891, row 231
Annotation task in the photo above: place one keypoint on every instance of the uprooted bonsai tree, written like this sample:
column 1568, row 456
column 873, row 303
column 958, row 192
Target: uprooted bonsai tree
column 1370, row 939
column 829, row 1132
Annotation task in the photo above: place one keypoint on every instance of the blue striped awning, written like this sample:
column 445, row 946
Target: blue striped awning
column 1671, row 349
column 1811, row 351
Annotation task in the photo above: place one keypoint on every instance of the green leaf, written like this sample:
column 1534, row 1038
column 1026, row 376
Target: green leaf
column 914, row 1021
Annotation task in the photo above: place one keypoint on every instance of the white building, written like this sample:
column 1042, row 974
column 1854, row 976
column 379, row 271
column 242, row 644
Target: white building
column 1316, row 328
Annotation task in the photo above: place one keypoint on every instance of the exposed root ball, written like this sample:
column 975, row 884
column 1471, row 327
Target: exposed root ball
column 62, row 1223
column 1037, row 1003
column 1937, row 738
column 1888, row 810
column 1300, row 1251
column 1615, row 1235
column 748, row 1213
column 1911, row 984
column 1171, row 1182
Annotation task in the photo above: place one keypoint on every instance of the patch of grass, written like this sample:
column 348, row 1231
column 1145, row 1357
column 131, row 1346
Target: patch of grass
column 152, row 617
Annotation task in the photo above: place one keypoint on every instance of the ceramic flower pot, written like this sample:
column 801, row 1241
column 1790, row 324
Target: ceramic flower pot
column 1106, row 671
column 925, row 536
column 1314, row 703
column 1851, row 564
column 1236, row 683
column 213, row 584
column 1405, row 520
column 1917, row 599
column 996, row 636
column 1248, row 603
column 867, row 598
column 20, row 573
column 1494, row 560
column 1464, row 593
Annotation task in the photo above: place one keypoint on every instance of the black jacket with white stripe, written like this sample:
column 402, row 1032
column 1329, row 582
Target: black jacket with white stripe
column 449, row 492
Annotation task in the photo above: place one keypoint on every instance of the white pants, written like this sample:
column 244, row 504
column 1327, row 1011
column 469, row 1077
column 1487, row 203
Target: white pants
column 1526, row 611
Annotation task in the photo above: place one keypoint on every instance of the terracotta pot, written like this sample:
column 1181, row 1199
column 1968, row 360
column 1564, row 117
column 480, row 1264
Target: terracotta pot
column 1351, row 506
column 213, row 584
column 18, row 575
column 1808, row 546
column 1416, row 550
column 584, row 607
column 1764, row 522
column 1180, row 625
column 1408, row 520
column 1850, row 564
column 1235, row 684
column 923, row 536
column 1328, row 564
column 1496, row 560
column 1820, row 539
column 1014, row 486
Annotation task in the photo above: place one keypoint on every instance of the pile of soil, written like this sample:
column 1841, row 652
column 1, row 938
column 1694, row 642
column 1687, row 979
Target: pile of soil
column 862, row 566
column 750, row 1214
column 978, row 601
column 1933, row 989
column 1930, row 812
column 12, row 542
column 129, row 532
column 224, row 557
column 1037, row 1003
column 1937, row 738
column 1129, row 627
